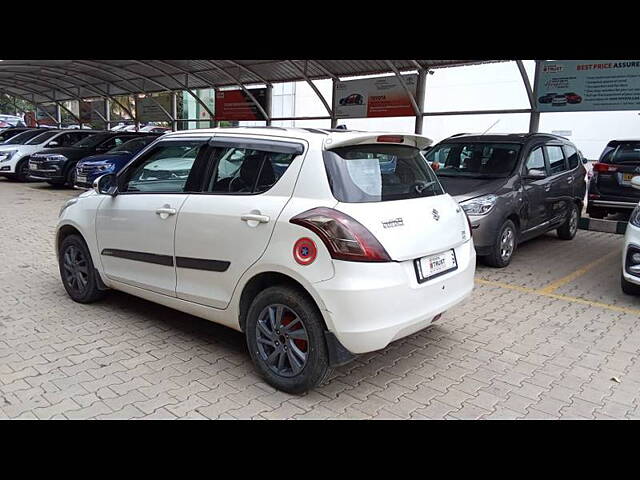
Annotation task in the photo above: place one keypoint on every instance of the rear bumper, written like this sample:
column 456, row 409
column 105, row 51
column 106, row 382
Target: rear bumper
column 369, row 305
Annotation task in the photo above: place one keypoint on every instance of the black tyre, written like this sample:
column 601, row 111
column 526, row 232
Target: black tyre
column 596, row 212
column 70, row 177
column 285, row 337
column 77, row 271
column 504, row 246
column 569, row 228
column 628, row 287
column 22, row 171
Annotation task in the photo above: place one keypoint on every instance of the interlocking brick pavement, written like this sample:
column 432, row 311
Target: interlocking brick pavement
column 505, row 353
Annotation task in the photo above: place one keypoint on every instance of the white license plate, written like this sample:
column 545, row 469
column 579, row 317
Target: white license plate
column 435, row 265
column 81, row 179
column 626, row 178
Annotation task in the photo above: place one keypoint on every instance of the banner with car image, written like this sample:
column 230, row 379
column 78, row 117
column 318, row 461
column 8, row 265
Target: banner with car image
column 588, row 85
column 375, row 97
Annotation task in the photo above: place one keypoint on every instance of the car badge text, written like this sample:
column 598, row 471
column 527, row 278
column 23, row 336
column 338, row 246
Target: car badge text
column 394, row 222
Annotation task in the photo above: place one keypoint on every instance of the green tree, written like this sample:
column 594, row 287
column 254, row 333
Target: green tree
column 14, row 106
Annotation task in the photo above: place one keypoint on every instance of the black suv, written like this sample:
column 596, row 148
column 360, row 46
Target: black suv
column 58, row 165
column 610, row 189
column 513, row 187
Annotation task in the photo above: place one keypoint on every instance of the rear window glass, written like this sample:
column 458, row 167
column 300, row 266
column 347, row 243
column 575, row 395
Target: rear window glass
column 628, row 152
column 474, row 159
column 43, row 137
column 379, row 173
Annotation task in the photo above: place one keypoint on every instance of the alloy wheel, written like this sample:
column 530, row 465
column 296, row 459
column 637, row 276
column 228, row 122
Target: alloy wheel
column 76, row 269
column 282, row 339
column 573, row 221
column 507, row 244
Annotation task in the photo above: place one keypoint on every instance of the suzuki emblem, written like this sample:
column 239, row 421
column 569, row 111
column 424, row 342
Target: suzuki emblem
column 436, row 215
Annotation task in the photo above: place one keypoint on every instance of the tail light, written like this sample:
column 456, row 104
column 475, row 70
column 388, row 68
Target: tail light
column 391, row 139
column 604, row 167
column 344, row 237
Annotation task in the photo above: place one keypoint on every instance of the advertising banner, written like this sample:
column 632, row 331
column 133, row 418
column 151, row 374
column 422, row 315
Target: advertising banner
column 150, row 111
column 375, row 97
column 42, row 118
column 588, row 85
column 236, row 105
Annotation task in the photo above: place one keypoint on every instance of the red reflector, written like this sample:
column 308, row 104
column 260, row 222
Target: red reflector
column 391, row 139
column 604, row 167
column 305, row 251
column 593, row 195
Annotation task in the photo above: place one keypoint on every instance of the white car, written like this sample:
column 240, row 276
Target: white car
column 317, row 244
column 631, row 252
column 15, row 153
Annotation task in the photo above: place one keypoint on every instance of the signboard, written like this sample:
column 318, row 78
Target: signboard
column 42, row 118
column 375, row 97
column 588, row 85
column 150, row 111
column 236, row 104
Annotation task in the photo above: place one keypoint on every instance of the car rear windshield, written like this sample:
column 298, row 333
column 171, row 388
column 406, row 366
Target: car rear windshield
column 474, row 159
column 379, row 173
column 21, row 138
column 626, row 152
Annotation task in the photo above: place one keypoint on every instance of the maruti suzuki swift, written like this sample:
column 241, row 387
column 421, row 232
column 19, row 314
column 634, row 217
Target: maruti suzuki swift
column 317, row 244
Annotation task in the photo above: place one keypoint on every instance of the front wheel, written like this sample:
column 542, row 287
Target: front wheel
column 569, row 228
column 285, row 337
column 70, row 179
column 504, row 246
column 22, row 171
column 77, row 270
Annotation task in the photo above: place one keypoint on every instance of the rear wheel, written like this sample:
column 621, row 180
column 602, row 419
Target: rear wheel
column 569, row 228
column 285, row 337
column 628, row 287
column 77, row 271
column 504, row 246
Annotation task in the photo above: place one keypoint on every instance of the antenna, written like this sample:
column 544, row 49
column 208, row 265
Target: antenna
column 493, row 125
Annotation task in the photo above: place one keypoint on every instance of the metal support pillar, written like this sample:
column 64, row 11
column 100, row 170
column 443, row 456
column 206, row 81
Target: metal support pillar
column 334, row 118
column 269, row 103
column 58, row 115
column 420, row 95
column 174, row 111
column 534, row 118
column 135, row 109
column 107, row 112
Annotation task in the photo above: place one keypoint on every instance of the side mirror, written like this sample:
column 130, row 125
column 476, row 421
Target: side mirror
column 535, row 174
column 53, row 143
column 635, row 182
column 106, row 185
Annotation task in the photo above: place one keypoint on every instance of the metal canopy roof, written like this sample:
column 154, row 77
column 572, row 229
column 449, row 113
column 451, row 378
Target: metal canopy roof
column 44, row 81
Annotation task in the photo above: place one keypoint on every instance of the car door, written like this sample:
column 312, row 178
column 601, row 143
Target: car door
column 561, row 183
column 135, row 229
column 536, row 187
column 224, row 230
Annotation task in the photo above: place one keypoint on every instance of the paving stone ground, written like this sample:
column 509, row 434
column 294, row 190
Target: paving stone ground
column 508, row 352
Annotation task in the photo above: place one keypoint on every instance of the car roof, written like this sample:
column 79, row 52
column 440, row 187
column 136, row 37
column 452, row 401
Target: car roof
column 503, row 137
column 331, row 138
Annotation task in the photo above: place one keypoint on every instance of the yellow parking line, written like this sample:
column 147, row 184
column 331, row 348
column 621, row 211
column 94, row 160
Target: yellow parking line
column 578, row 273
column 566, row 298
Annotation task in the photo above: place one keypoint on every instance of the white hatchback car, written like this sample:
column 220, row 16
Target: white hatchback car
column 317, row 244
column 631, row 252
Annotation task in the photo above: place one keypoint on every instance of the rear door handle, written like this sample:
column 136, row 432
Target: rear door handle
column 254, row 217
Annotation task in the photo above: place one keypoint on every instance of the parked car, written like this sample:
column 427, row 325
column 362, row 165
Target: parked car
column 154, row 129
column 11, row 132
column 17, row 151
column 547, row 97
column 90, row 168
column 353, row 99
column 573, row 98
column 513, row 187
column 610, row 189
column 559, row 101
column 630, row 278
column 11, row 121
column 326, row 259
column 58, row 166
